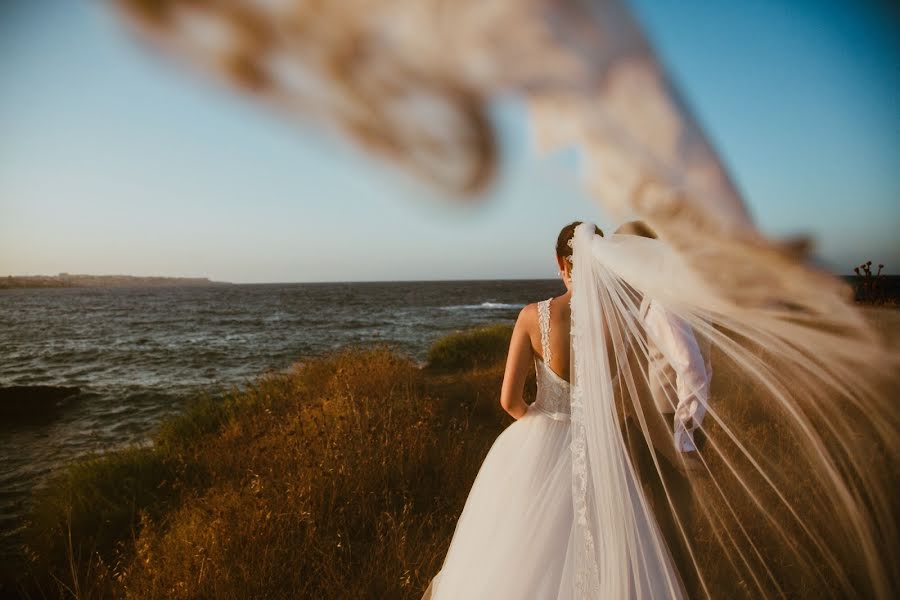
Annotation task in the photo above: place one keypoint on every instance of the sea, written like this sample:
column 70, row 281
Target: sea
column 138, row 354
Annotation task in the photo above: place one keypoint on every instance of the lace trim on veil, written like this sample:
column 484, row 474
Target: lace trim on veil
column 587, row 577
column 619, row 549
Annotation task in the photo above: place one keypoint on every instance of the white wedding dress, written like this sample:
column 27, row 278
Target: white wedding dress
column 518, row 537
column 514, row 537
column 557, row 510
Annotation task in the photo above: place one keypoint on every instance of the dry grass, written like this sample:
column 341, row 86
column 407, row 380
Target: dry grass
column 340, row 479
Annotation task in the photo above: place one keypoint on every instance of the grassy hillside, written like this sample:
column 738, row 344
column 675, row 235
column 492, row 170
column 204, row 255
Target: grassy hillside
column 342, row 478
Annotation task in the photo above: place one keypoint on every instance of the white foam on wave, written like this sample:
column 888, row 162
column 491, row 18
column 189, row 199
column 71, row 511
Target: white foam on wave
column 483, row 306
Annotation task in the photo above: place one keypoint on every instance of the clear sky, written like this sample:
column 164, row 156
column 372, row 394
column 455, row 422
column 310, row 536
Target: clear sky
column 111, row 161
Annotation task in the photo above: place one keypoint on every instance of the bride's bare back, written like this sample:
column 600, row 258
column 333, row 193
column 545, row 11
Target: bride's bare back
column 525, row 345
column 560, row 327
column 526, row 338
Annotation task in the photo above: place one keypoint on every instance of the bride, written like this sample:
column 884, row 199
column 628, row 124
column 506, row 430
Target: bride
column 564, row 507
column 518, row 536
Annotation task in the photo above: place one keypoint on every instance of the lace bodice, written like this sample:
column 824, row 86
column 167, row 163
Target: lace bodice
column 552, row 390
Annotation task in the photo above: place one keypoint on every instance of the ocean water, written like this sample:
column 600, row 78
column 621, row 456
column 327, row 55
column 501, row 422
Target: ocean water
column 139, row 353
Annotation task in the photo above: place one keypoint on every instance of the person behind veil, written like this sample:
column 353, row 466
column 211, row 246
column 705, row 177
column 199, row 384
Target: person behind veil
column 678, row 382
column 678, row 372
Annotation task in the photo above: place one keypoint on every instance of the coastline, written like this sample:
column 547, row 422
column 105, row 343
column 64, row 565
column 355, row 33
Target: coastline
column 319, row 433
column 345, row 472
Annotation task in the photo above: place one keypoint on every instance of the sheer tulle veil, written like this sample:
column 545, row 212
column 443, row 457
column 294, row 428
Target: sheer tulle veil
column 619, row 552
column 790, row 498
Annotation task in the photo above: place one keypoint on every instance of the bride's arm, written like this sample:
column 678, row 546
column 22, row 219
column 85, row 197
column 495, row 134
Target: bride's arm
column 518, row 362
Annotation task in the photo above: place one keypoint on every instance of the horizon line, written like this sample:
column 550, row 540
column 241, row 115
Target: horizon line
column 318, row 282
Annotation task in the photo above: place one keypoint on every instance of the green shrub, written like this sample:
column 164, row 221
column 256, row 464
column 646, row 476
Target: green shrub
column 203, row 415
column 473, row 348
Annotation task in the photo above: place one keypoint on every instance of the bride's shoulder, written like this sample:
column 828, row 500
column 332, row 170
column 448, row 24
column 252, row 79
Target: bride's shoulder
column 527, row 322
column 528, row 314
column 534, row 308
column 531, row 311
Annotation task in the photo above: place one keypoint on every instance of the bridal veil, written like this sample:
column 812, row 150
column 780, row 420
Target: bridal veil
column 794, row 493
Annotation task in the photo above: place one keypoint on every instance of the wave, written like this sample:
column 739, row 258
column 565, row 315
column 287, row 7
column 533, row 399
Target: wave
column 483, row 306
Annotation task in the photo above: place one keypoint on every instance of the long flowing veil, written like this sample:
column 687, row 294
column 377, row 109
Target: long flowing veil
column 790, row 497
column 801, row 433
column 619, row 551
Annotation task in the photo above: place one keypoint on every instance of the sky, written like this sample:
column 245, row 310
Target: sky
column 112, row 161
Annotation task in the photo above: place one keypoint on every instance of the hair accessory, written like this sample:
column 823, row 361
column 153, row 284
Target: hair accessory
column 571, row 242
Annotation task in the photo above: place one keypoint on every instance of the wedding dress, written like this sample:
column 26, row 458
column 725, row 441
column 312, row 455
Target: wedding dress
column 517, row 535
column 513, row 538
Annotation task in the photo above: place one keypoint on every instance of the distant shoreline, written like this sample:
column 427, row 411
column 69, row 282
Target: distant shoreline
column 70, row 280
column 890, row 284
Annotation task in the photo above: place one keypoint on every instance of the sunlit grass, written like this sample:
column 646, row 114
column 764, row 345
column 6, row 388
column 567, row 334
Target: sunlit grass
column 342, row 478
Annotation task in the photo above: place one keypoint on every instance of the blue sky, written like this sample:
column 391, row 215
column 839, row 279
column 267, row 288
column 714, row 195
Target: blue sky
column 111, row 161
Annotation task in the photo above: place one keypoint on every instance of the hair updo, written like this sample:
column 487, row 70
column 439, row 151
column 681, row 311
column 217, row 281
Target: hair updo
column 563, row 250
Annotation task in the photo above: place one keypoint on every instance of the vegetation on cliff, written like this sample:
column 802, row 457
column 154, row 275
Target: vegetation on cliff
column 342, row 478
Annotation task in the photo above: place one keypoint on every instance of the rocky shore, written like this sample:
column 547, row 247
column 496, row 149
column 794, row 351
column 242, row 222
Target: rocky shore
column 28, row 402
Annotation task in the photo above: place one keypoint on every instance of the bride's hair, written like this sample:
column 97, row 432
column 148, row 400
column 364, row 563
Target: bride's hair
column 563, row 250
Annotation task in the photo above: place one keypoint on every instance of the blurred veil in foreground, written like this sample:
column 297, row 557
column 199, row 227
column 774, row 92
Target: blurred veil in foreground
column 802, row 436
